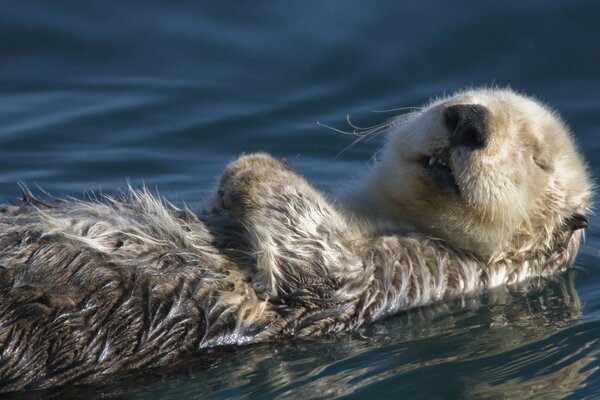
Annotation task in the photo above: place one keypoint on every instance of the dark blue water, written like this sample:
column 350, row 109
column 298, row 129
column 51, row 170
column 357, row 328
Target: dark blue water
column 95, row 93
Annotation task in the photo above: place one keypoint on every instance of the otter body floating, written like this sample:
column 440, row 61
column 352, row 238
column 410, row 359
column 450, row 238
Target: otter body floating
column 93, row 288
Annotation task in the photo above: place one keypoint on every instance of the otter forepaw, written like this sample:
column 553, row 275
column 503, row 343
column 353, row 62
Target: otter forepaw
column 246, row 183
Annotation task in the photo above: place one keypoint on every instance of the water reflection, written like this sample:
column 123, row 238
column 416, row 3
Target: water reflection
column 554, row 381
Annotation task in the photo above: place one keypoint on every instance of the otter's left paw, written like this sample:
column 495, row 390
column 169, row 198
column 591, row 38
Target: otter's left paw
column 246, row 183
column 299, row 241
column 251, row 188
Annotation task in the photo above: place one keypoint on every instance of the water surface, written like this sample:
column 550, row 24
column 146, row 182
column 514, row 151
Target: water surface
column 94, row 94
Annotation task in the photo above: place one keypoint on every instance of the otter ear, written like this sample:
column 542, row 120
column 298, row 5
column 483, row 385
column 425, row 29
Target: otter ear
column 577, row 221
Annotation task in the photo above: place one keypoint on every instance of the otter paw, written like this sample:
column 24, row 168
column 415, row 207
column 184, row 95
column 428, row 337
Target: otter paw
column 246, row 182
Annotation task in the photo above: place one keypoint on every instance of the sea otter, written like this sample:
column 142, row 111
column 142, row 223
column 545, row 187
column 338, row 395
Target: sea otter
column 476, row 190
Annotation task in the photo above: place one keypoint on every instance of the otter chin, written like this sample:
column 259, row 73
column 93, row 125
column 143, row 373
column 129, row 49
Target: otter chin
column 480, row 189
column 489, row 171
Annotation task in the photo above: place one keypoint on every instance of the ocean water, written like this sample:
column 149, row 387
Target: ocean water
column 97, row 94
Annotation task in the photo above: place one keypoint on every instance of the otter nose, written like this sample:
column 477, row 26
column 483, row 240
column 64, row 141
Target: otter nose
column 467, row 125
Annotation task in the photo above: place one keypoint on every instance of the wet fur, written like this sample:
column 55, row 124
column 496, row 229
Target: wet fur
column 93, row 288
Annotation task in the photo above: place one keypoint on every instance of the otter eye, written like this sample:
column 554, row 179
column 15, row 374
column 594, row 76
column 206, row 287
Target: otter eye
column 542, row 160
column 544, row 166
column 540, row 155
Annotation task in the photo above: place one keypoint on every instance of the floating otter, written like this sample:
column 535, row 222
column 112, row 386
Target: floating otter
column 474, row 191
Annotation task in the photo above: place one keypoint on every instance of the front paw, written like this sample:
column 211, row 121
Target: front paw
column 247, row 182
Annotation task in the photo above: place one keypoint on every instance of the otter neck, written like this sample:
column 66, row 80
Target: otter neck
column 364, row 206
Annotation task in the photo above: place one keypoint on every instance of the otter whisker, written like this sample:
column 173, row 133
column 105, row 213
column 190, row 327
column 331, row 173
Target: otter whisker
column 412, row 110
column 367, row 133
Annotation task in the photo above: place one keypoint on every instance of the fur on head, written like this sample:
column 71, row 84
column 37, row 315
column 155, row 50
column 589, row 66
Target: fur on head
column 488, row 170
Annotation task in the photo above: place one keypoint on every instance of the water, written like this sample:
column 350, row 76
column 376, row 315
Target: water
column 95, row 93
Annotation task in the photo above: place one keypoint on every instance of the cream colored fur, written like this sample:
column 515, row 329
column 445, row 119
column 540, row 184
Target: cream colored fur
column 527, row 180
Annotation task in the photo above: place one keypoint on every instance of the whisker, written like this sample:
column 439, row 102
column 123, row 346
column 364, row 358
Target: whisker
column 337, row 130
column 348, row 147
column 366, row 136
column 367, row 133
column 412, row 109
column 368, row 128
column 370, row 137
column 374, row 156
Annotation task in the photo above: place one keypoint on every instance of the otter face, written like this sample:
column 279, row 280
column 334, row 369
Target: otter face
column 489, row 171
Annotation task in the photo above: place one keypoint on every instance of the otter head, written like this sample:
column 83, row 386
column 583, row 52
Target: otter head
column 489, row 171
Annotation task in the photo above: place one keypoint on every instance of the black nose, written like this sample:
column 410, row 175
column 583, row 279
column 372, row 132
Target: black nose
column 467, row 124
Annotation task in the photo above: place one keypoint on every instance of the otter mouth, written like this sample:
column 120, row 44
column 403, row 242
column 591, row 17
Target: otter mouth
column 438, row 167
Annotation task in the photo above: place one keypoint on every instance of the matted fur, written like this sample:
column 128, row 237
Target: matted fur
column 92, row 288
